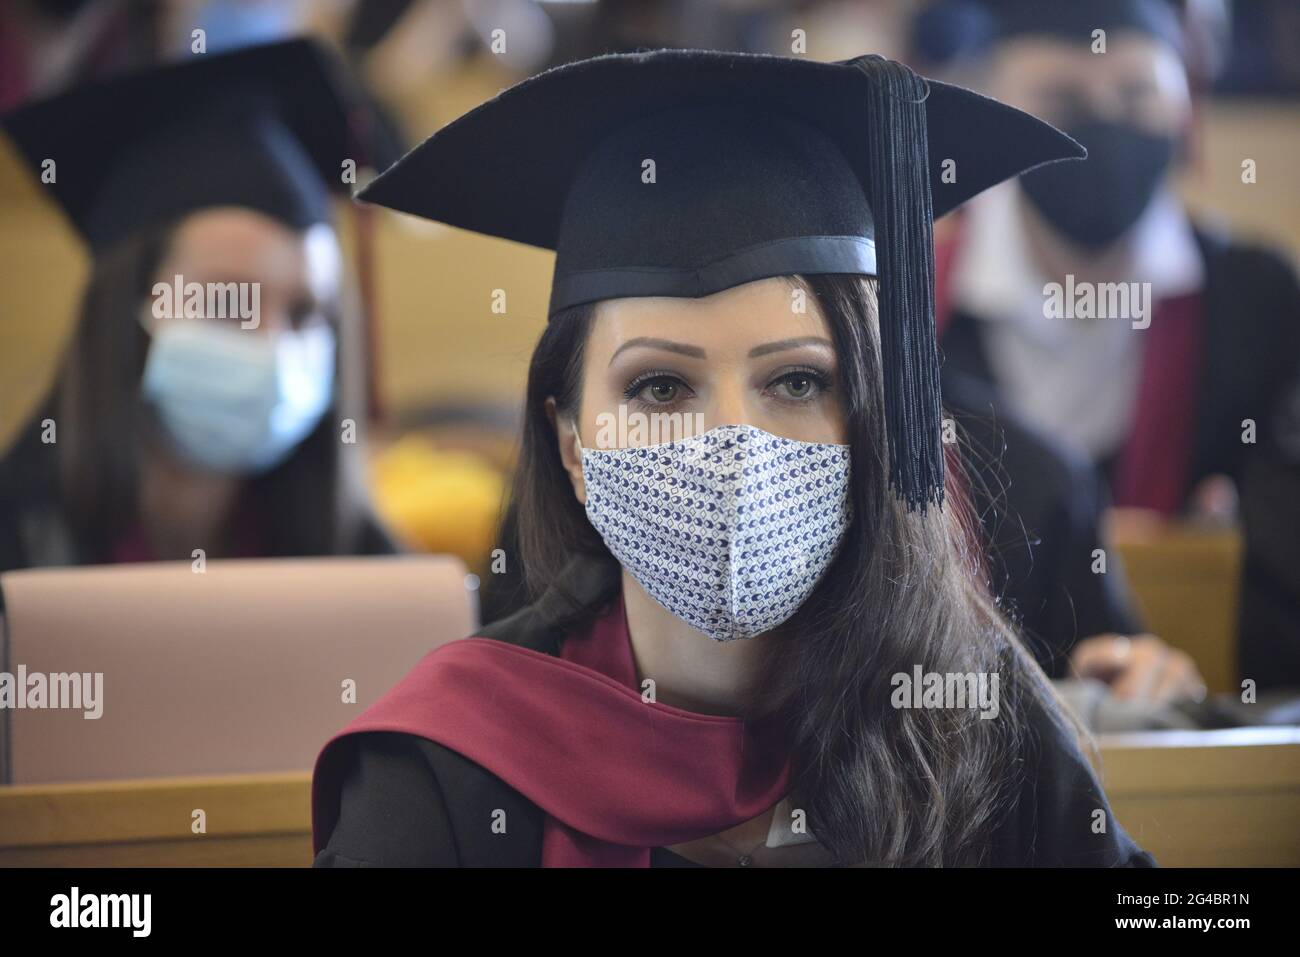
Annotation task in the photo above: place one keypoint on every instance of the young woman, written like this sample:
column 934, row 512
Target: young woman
column 760, row 636
column 204, row 396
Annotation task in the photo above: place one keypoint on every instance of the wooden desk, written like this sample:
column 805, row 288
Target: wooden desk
column 1192, row 798
column 253, row 820
column 1208, row 798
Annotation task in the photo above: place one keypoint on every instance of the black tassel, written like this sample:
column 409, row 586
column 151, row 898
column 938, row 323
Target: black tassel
column 899, row 194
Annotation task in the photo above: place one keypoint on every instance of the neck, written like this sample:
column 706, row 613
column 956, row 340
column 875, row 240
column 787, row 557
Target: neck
column 690, row 670
column 182, row 508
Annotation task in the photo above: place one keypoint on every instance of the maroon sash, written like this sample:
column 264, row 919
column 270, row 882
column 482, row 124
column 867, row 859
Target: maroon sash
column 614, row 774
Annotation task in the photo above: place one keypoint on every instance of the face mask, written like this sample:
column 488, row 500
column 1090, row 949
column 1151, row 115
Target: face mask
column 730, row 530
column 1095, row 202
column 231, row 400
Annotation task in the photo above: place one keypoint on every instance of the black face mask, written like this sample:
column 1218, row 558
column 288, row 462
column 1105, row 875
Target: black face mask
column 1094, row 202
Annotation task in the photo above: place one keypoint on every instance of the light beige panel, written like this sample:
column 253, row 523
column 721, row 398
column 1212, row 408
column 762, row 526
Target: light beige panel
column 1267, row 131
column 438, row 338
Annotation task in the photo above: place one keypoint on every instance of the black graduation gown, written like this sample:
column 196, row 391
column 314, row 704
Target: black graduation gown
column 1250, row 364
column 406, row 801
column 1040, row 507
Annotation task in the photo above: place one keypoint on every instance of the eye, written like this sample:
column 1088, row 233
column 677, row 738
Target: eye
column 1135, row 94
column 656, row 389
column 1133, row 87
column 303, row 312
column 800, row 385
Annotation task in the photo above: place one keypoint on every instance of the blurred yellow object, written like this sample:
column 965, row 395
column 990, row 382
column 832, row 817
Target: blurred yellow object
column 446, row 501
column 1186, row 578
column 42, row 272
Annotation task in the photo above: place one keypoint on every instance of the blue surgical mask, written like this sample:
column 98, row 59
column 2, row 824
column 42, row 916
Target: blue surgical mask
column 231, row 24
column 234, row 400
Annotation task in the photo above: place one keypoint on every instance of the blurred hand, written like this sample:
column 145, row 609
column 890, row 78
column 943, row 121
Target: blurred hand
column 1131, row 526
column 1215, row 500
column 1138, row 668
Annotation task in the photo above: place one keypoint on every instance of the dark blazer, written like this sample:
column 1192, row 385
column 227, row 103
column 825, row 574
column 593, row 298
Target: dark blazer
column 407, row 801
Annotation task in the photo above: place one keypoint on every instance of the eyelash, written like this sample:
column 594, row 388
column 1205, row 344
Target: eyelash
column 821, row 379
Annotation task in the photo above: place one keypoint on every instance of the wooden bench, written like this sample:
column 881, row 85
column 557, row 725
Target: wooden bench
column 1203, row 798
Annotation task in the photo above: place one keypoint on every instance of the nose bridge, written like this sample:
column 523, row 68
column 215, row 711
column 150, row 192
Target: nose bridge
column 730, row 404
column 1104, row 97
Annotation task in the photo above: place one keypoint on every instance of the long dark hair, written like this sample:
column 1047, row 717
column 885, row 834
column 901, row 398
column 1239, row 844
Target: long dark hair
column 312, row 504
column 878, row 784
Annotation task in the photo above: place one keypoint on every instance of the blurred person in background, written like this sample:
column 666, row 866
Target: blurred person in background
column 1183, row 409
column 173, row 426
column 1041, row 509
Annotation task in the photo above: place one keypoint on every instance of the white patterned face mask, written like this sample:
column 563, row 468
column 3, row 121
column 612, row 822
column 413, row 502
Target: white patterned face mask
column 730, row 530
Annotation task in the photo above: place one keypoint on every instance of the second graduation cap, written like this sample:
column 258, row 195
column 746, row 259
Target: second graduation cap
column 267, row 128
column 686, row 172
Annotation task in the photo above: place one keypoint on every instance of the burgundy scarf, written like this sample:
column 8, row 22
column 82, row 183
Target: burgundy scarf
column 614, row 774
column 1152, row 468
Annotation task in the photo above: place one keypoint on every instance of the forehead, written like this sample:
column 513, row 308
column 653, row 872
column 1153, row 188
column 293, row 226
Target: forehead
column 236, row 239
column 747, row 314
column 1030, row 59
column 241, row 243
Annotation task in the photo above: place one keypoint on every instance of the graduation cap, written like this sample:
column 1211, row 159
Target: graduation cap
column 265, row 127
column 762, row 166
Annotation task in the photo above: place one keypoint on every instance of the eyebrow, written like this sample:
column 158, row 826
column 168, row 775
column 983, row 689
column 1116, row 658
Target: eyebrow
column 695, row 352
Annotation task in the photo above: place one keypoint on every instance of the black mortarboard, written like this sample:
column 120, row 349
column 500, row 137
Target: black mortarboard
column 764, row 166
column 265, row 127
